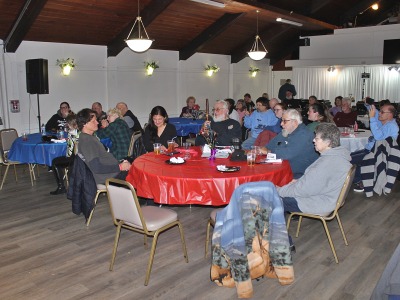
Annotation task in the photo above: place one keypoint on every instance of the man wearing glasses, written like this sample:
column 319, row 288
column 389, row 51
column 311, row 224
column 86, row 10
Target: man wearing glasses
column 383, row 125
column 57, row 121
column 294, row 143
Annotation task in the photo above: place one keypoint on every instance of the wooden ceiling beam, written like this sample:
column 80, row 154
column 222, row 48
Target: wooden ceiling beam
column 148, row 14
column 287, row 14
column 27, row 16
column 208, row 34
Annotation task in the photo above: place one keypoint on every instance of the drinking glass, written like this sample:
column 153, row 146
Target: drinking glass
column 157, row 148
column 24, row 136
column 251, row 158
column 171, row 146
column 186, row 146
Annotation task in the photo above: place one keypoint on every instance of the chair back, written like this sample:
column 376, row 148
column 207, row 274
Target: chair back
column 134, row 137
column 7, row 137
column 345, row 189
column 124, row 204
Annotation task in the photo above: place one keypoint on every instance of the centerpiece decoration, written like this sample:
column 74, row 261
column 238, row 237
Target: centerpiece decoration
column 66, row 65
column 253, row 71
column 150, row 66
column 211, row 69
column 210, row 136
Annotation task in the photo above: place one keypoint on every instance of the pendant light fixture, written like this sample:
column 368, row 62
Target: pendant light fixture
column 138, row 44
column 256, row 52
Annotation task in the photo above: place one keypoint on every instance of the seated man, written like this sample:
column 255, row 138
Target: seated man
column 347, row 116
column 317, row 191
column 129, row 118
column 383, row 125
column 100, row 114
column 294, row 143
column 225, row 128
column 258, row 121
column 102, row 163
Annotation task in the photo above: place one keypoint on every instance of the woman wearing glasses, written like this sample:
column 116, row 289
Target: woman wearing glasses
column 57, row 121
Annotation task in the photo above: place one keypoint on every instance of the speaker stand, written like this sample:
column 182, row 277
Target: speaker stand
column 38, row 108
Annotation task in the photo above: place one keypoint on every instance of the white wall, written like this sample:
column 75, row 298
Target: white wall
column 121, row 78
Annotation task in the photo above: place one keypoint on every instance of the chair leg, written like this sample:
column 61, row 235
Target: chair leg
column 145, row 241
column 183, row 242
column 288, row 222
column 4, row 177
column 114, row 252
column 15, row 173
column 94, row 206
column 341, row 229
column 32, row 172
column 330, row 240
column 298, row 226
column 151, row 258
column 207, row 238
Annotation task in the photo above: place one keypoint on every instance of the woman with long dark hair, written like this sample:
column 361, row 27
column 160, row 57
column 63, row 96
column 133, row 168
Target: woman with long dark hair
column 317, row 113
column 158, row 129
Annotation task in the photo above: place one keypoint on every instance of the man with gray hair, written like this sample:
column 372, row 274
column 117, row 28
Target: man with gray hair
column 225, row 128
column 129, row 118
column 317, row 191
column 294, row 143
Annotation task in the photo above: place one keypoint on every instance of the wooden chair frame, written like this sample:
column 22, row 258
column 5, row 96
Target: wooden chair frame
column 335, row 214
column 143, row 230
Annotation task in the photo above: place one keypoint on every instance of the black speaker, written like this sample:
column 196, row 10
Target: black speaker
column 37, row 79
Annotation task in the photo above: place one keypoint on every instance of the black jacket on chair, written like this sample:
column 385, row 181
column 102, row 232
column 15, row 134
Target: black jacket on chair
column 82, row 188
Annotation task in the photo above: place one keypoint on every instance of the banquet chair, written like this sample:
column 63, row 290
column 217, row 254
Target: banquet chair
column 101, row 188
column 211, row 222
column 148, row 220
column 7, row 137
column 134, row 137
column 334, row 214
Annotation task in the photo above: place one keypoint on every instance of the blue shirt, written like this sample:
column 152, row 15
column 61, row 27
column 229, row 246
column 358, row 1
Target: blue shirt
column 381, row 131
column 258, row 121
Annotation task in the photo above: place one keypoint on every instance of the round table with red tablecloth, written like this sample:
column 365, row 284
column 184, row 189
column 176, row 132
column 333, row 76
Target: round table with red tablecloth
column 197, row 181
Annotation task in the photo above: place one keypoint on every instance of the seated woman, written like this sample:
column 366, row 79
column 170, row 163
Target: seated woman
column 116, row 129
column 60, row 163
column 317, row 191
column 271, row 131
column 346, row 117
column 233, row 114
column 189, row 110
column 241, row 110
column 317, row 113
column 158, row 130
column 338, row 106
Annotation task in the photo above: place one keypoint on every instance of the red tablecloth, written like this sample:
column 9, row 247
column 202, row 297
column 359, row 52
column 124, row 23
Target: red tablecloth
column 197, row 181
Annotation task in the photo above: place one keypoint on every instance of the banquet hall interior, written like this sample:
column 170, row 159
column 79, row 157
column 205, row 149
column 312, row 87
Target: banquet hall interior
column 327, row 48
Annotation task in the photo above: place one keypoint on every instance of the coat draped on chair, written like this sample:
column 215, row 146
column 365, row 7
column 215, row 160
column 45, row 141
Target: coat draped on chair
column 250, row 239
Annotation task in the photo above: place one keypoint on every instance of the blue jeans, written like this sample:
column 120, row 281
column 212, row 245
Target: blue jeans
column 290, row 205
column 356, row 159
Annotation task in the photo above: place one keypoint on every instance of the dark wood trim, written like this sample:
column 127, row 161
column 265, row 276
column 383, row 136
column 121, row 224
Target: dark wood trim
column 208, row 34
column 14, row 38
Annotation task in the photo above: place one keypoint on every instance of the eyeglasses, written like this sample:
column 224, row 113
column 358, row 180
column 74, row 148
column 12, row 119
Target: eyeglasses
column 219, row 109
column 285, row 121
column 385, row 112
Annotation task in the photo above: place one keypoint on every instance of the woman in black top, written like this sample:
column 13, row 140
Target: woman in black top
column 158, row 129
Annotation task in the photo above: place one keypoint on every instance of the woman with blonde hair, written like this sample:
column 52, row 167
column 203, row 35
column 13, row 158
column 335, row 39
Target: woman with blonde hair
column 116, row 129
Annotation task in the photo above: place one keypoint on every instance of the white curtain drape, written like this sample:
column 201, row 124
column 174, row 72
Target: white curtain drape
column 346, row 81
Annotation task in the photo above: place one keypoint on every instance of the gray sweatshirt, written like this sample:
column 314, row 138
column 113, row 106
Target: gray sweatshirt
column 318, row 189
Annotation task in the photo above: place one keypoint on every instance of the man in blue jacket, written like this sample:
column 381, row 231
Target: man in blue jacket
column 294, row 143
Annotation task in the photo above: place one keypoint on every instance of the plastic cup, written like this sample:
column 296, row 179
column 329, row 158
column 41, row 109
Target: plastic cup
column 171, row 146
column 251, row 158
column 186, row 146
column 256, row 149
column 157, row 148
column 24, row 136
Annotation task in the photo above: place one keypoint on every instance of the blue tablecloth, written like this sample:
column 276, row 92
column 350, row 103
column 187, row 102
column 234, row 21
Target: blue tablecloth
column 185, row 126
column 34, row 151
